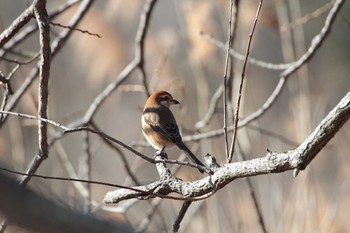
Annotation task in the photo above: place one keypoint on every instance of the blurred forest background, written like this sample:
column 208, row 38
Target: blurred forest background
column 187, row 63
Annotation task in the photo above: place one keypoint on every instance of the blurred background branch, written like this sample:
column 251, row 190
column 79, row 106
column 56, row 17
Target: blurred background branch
column 296, row 72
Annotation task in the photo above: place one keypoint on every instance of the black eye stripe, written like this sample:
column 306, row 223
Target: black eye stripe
column 165, row 97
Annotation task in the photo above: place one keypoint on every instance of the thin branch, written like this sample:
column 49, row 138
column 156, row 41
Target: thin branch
column 30, row 60
column 236, row 117
column 149, row 191
column 7, row 92
column 69, row 169
column 307, row 17
column 76, row 19
column 149, row 214
column 3, row 103
column 62, row 8
column 76, row 29
column 51, row 122
column 241, row 57
column 231, row 70
column 86, row 170
column 227, row 62
column 211, row 110
column 272, row 134
column 241, row 157
column 73, row 180
column 121, row 155
column 140, row 40
column 181, row 215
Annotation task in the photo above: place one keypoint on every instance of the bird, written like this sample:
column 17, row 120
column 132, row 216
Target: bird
column 159, row 125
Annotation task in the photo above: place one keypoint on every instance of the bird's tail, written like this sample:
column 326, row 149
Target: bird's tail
column 190, row 155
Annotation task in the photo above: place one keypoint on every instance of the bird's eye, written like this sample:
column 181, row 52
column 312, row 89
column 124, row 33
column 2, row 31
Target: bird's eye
column 166, row 97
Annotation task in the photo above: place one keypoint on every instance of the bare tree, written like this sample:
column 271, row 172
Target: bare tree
column 75, row 76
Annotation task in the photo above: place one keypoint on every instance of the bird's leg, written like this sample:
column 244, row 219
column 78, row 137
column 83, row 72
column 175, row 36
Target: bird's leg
column 160, row 153
column 163, row 171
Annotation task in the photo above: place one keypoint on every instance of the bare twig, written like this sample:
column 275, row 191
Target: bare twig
column 272, row 135
column 21, row 62
column 68, row 167
column 7, row 92
column 236, row 116
column 86, row 170
column 51, row 122
column 307, row 17
column 180, row 216
column 121, row 155
column 240, row 57
column 148, row 216
column 211, row 110
column 231, row 70
column 140, row 40
column 73, row 179
column 76, row 29
column 3, row 103
column 241, row 157
column 227, row 62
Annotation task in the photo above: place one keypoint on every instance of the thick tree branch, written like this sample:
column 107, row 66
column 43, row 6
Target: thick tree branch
column 45, row 61
column 17, row 24
column 273, row 162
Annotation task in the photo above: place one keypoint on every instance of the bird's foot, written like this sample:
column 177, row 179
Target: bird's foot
column 160, row 153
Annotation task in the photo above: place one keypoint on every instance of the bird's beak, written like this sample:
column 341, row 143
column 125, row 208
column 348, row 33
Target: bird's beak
column 174, row 101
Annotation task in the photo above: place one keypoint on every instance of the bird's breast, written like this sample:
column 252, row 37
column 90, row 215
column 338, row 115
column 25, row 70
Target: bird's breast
column 157, row 140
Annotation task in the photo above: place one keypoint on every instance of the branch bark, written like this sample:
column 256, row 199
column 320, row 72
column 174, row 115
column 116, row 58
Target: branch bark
column 17, row 24
column 45, row 58
column 272, row 162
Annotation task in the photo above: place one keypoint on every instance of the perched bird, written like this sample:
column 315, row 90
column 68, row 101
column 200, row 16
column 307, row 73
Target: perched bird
column 159, row 125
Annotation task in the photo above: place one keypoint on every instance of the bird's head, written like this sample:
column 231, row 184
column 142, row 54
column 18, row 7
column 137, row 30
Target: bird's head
column 164, row 98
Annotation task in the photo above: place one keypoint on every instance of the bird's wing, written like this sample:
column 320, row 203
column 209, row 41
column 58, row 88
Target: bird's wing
column 164, row 124
column 170, row 130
